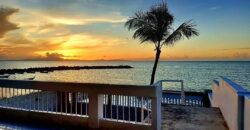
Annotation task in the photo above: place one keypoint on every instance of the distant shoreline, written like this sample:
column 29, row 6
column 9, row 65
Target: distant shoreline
column 59, row 68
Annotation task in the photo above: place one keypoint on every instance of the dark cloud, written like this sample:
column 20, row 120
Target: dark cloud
column 54, row 56
column 5, row 24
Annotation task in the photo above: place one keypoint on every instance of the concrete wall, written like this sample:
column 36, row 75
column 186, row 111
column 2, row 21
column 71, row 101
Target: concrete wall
column 229, row 97
column 247, row 113
column 215, row 95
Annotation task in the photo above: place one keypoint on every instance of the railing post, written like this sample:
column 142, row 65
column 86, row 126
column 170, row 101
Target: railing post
column 156, row 107
column 95, row 110
column 142, row 109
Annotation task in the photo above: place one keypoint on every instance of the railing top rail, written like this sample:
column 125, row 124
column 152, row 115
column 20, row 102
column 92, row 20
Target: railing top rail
column 116, row 89
column 247, row 96
column 161, row 81
column 170, row 81
column 216, row 82
column 235, row 87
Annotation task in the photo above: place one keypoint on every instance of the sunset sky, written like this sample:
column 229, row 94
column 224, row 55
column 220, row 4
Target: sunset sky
column 94, row 29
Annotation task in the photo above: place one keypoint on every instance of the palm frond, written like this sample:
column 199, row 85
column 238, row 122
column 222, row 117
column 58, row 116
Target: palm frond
column 151, row 25
column 145, row 34
column 135, row 21
column 187, row 29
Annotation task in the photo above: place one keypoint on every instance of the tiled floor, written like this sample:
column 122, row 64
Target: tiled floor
column 192, row 118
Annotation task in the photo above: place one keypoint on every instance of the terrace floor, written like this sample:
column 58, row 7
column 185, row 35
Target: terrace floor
column 174, row 117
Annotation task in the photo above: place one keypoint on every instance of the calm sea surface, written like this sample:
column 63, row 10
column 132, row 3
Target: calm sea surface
column 197, row 76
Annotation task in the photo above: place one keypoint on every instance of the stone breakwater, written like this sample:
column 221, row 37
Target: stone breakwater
column 59, row 68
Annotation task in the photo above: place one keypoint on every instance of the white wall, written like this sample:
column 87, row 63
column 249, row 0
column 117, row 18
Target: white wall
column 228, row 97
column 247, row 113
column 215, row 95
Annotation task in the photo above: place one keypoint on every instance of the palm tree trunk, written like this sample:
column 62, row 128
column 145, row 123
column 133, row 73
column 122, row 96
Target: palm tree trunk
column 157, row 57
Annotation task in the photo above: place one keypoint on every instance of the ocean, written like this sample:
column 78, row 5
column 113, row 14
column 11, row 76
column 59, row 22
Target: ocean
column 197, row 75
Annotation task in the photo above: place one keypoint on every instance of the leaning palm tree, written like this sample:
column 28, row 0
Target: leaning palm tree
column 156, row 26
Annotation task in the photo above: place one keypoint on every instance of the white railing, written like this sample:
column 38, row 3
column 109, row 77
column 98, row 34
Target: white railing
column 98, row 105
column 232, row 100
column 173, row 100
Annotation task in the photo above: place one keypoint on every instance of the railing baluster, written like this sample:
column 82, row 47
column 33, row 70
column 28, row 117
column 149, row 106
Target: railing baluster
column 117, row 100
column 87, row 104
column 111, row 107
column 142, row 110
column 123, row 104
column 147, row 107
column 38, row 98
column 71, row 103
column 51, row 101
column 81, row 98
column 13, row 97
column 105, row 107
column 17, row 99
column 25, row 98
column 5, row 98
column 35, row 102
column 1, row 93
column 47, row 100
column 30, row 97
column 56, row 103
column 66, row 102
column 20, row 102
column 76, row 102
column 135, row 109
column 61, row 102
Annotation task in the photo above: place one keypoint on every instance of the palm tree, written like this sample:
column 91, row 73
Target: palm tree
column 156, row 26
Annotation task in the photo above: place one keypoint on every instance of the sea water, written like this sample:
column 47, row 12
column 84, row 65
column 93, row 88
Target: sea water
column 197, row 75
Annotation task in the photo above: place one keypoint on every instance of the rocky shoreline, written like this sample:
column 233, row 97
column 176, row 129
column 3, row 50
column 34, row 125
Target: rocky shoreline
column 58, row 68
